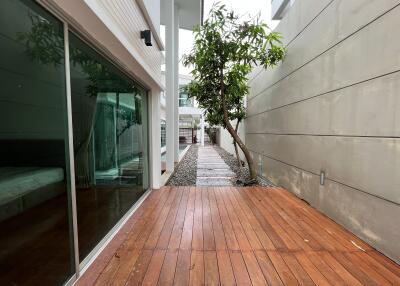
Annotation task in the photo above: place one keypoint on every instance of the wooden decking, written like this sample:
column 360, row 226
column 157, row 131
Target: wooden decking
column 236, row 236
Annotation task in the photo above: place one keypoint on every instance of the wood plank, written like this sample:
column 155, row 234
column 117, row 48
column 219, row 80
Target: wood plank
column 312, row 271
column 287, row 218
column 152, row 222
column 225, row 268
column 275, row 238
column 241, row 237
column 129, row 256
column 197, row 268
column 263, row 237
column 320, row 236
column 384, row 261
column 219, row 236
column 182, row 268
column 289, row 242
column 176, row 235
column 239, row 268
column 339, row 269
column 139, row 270
column 298, row 271
column 211, row 273
column 324, row 268
column 231, row 241
column 165, row 234
column 276, row 214
column 283, row 270
column 197, row 240
column 208, row 233
column 254, row 270
column 167, row 274
column 246, row 225
column 344, row 236
column 353, row 269
column 147, row 207
column 187, row 232
column 154, row 269
column 232, row 228
column 367, row 269
column 166, row 216
column 268, row 268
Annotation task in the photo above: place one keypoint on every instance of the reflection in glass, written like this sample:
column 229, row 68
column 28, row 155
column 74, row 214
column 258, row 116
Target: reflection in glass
column 184, row 99
column 35, row 237
column 110, row 142
column 163, row 133
column 163, row 145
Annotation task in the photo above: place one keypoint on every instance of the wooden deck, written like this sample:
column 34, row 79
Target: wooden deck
column 236, row 236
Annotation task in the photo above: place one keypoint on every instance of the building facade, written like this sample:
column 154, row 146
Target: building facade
column 79, row 128
column 324, row 124
column 190, row 122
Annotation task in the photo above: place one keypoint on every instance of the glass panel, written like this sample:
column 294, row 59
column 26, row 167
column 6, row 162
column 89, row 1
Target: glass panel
column 36, row 246
column 163, row 133
column 110, row 141
column 184, row 100
column 163, row 145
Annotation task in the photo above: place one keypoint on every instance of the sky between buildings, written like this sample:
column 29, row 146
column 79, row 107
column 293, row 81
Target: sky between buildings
column 241, row 7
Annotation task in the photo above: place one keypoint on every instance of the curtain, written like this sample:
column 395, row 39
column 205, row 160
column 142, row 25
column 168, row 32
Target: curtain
column 84, row 110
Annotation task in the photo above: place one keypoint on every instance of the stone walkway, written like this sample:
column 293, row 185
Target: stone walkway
column 212, row 169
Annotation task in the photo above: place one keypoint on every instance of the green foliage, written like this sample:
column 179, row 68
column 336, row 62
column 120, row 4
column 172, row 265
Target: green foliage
column 224, row 52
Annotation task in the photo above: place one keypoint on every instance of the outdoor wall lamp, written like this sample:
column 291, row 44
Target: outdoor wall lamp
column 322, row 178
column 146, row 35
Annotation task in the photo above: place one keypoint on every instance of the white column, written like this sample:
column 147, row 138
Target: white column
column 169, row 82
column 176, row 82
column 155, row 139
column 202, row 130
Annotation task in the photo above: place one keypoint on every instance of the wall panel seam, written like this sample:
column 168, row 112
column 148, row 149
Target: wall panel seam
column 324, row 93
column 326, row 177
column 325, row 51
column 323, row 135
column 299, row 33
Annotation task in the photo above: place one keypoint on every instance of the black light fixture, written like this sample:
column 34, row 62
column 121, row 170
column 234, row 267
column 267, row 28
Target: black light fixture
column 146, row 35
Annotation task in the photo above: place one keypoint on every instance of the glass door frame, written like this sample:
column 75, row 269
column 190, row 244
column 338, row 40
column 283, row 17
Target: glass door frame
column 81, row 267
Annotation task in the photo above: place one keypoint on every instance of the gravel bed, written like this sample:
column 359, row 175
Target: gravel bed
column 186, row 172
column 242, row 173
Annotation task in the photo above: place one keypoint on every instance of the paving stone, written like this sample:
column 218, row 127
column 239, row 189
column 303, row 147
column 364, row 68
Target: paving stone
column 212, row 169
column 213, row 182
column 214, row 166
column 215, row 173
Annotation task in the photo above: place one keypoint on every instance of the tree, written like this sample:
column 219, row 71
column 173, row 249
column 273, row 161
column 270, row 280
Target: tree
column 224, row 52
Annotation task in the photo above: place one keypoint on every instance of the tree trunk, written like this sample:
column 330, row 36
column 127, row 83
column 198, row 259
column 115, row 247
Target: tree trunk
column 235, row 145
column 235, row 136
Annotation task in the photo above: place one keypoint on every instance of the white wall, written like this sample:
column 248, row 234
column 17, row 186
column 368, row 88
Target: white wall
column 225, row 140
column 153, row 8
column 332, row 106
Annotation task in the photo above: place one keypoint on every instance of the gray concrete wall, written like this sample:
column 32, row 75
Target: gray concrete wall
column 332, row 106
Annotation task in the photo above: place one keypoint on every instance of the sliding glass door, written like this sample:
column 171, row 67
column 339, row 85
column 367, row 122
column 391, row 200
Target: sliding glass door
column 110, row 147
column 36, row 245
column 109, row 114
